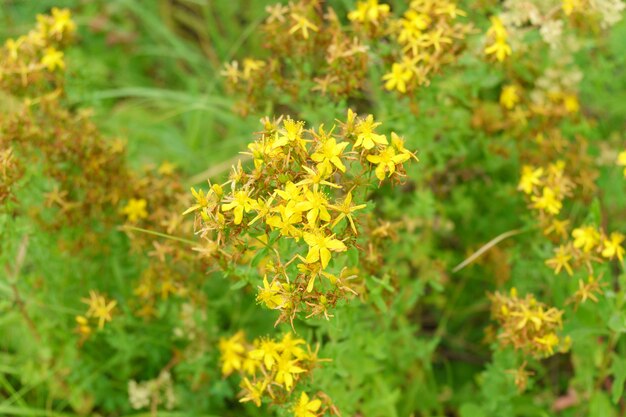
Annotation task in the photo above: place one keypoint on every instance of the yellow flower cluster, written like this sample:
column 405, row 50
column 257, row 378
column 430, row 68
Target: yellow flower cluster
column 91, row 178
column 100, row 310
column 369, row 12
column 589, row 245
column 27, row 59
column 546, row 187
column 497, row 40
column 156, row 227
column 527, row 324
column 305, row 42
column 250, row 69
column 425, row 38
column 92, row 183
column 585, row 247
column 270, row 368
column 302, row 197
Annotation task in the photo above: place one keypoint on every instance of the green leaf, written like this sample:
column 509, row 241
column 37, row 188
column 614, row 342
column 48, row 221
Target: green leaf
column 618, row 370
column 471, row 410
column 617, row 322
column 600, row 406
column 238, row 285
column 353, row 256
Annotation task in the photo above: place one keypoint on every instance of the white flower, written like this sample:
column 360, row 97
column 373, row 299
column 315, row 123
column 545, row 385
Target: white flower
column 551, row 32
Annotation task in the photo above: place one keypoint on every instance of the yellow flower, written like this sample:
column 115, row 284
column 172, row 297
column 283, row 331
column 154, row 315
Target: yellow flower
column 135, row 209
column 365, row 135
column 52, row 59
column 497, row 29
column 99, row 308
column 291, row 192
column 315, row 204
column 350, row 121
column 586, row 238
column 571, row 103
column 500, row 49
column 569, row 6
column 83, row 327
column 241, row 202
column 548, row 201
column 286, row 371
column 291, row 134
column 397, row 78
column 450, row 9
column 264, row 151
column 435, row 38
column 262, row 208
column 13, row 46
column 276, row 13
column 527, row 315
column 613, row 246
column 509, row 97
column 558, row 227
column 398, row 143
column 250, row 364
column 167, row 168
column 250, row 66
column 290, row 346
column 386, row 161
column 329, row 154
column 268, row 352
column 318, row 177
column 202, row 201
column 369, row 11
column 621, row 160
column 530, row 177
column 548, row 342
column 587, row 291
column 231, row 353
column 320, row 246
column 498, row 34
column 306, row 407
column 345, row 210
column 62, row 22
column 287, row 220
column 269, row 294
column 231, row 72
column 253, row 391
column 302, row 24
column 561, row 260
column 413, row 23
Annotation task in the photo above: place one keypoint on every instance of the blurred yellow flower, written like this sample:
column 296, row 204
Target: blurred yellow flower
column 306, row 407
column 135, row 209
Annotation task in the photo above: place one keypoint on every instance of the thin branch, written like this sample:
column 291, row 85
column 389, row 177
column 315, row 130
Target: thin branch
column 218, row 169
column 493, row 242
column 159, row 234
